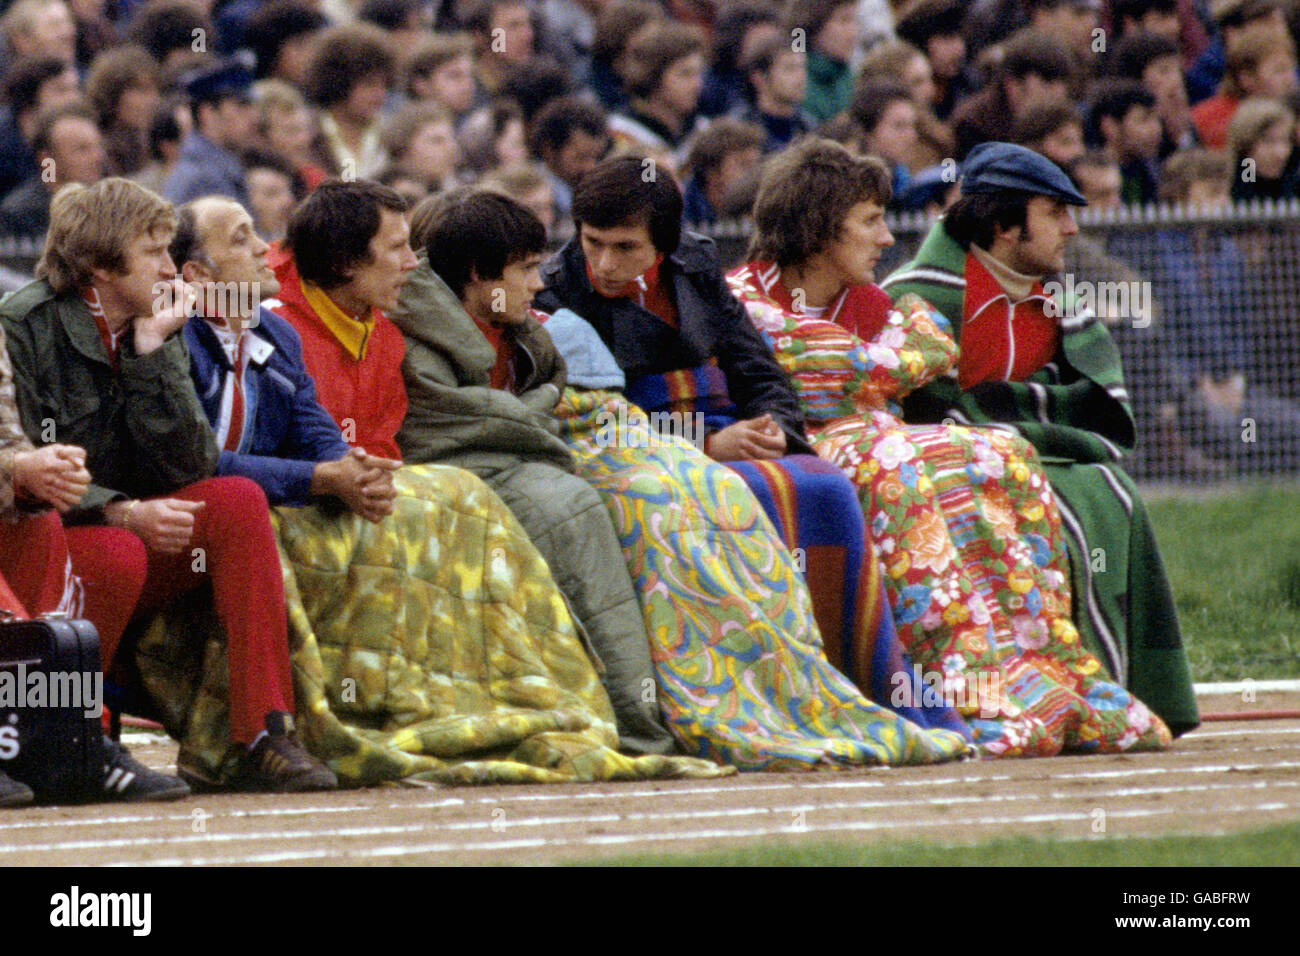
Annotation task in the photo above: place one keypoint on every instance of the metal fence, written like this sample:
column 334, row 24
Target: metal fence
column 1204, row 307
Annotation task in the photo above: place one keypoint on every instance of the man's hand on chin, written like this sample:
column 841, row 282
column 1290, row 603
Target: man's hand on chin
column 171, row 310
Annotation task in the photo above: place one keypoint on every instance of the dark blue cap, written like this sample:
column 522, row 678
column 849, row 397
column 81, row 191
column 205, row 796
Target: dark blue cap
column 229, row 77
column 995, row 167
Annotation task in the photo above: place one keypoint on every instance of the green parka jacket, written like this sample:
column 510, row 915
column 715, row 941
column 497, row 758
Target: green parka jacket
column 512, row 442
column 141, row 424
column 454, row 416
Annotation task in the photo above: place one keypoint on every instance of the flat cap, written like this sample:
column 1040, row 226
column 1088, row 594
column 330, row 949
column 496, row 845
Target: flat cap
column 229, row 77
column 996, row 167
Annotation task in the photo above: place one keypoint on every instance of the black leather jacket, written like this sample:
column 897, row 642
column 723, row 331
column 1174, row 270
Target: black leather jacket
column 711, row 324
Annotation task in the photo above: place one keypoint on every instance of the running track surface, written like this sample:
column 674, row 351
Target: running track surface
column 1224, row 777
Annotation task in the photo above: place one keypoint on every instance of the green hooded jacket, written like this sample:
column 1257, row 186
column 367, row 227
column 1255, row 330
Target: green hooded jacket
column 141, row 424
column 455, row 417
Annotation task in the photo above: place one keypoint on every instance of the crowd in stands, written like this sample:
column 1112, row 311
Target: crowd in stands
column 254, row 117
column 423, row 96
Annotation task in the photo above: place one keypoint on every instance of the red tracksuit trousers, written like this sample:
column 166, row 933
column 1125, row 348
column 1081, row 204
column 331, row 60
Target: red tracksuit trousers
column 232, row 545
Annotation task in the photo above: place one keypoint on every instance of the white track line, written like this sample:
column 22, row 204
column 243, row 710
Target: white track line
column 633, row 838
column 628, row 817
column 1202, row 734
column 622, row 794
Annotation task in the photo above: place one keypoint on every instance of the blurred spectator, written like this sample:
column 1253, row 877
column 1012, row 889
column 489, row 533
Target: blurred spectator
column 830, row 35
column 887, row 116
column 40, row 28
column 569, row 136
column 720, row 155
column 985, row 23
column 1073, row 22
column 493, row 136
column 1034, row 67
column 230, row 17
column 1262, row 151
column 504, row 36
column 172, row 31
column 273, row 191
column 441, row 70
column 421, row 143
column 899, row 60
column 1053, row 129
column 1123, row 123
column 1233, row 17
column 224, row 123
column 122, row 87
column 1097, row 175
column 778, row 79
column 96, row 30
column 31, row 87
column 741, row 27
column 665, row 73
column 738, row 201
column 280, row 35
column 407, row 22
column 408, row 187
column 1203, row 279
column 1153, row 61
column 1145, row 16
column 528, row 186
column 171, row 123
column 616, row 25
column 69, row 149
column 287, row 127
column 534, row 84
column 1260, row 62
column 934, row 28
column 347, row 79
column 572, row 28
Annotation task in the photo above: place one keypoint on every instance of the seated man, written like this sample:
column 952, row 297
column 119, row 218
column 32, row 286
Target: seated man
column 402, row 598
column 33, row 554
column 247, row 367
column 721, row 598
column 1050, row 370
column 357, row 364
column 97, row 363
column 660, row 303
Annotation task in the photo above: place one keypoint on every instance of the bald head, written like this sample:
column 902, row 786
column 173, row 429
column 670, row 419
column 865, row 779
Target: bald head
column 215, row 243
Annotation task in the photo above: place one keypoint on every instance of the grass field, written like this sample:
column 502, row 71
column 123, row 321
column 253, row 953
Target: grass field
column 1234, row 565
column 1270, row 846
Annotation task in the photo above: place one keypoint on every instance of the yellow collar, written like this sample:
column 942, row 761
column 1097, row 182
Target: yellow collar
column 353, row 334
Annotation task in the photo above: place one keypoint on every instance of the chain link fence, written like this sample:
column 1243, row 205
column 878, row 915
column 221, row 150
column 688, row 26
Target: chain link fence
column 1204, row 306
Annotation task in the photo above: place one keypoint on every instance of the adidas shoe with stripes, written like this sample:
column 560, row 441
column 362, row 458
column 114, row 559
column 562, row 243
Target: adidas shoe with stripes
column 128, row 780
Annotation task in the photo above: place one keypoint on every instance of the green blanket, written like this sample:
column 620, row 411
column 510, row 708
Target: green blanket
column 432, row 646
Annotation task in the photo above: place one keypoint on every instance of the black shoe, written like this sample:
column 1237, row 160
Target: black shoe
column 279, row 764
column 128, row 780
column 13, row 793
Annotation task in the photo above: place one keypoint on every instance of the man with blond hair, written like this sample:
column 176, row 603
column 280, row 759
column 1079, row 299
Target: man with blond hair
column 98, row 364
